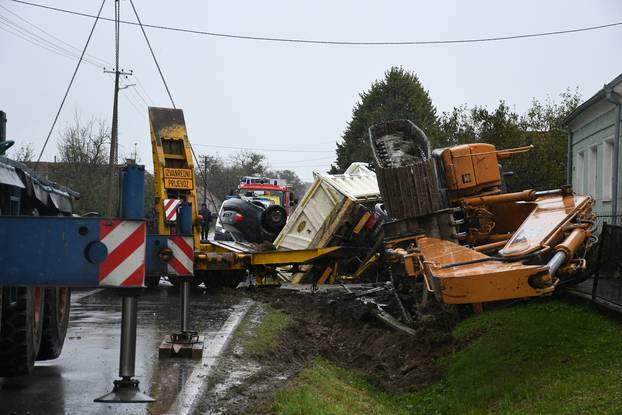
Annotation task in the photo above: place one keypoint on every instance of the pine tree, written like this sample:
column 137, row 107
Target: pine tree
column 399, row 95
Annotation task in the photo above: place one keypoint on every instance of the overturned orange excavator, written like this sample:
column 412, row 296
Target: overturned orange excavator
column 454, row 226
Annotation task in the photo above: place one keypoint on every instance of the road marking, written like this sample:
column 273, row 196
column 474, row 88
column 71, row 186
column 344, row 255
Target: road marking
column 215, row 343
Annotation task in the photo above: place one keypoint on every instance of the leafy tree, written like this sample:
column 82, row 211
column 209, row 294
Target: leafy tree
column 398, row 95
column 545, row 166
column 291, row 178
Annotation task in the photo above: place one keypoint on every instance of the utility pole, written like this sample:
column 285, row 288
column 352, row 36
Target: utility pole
column 135, row 152
column 114, row 137
column 205, row 180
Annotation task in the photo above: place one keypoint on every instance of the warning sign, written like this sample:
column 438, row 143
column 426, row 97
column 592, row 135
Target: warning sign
column 177, row 183
column 178, row 173
column 177, row 178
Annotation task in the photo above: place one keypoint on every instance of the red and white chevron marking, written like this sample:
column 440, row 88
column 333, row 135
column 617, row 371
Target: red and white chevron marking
column 125, row 264
column 182, row 261
column 170, row 209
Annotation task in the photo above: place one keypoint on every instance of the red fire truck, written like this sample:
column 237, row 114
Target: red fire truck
column 268, row 190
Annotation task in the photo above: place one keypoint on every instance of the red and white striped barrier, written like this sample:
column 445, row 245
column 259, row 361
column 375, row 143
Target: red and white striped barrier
column 182, row 261
column 125, row 263
column 170, row 209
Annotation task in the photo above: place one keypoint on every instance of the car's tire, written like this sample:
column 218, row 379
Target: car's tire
column 222, row 236
column 152, row 282
column 55, row 320
column 21, row 330
column 274, row 218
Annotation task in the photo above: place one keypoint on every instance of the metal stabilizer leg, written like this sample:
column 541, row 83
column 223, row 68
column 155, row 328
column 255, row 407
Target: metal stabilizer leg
column 126, row 389
column 185, row 336
column 186, row 343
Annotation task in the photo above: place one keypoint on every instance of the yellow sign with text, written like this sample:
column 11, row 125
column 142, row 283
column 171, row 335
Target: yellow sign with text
column 177, row 173
column 177, row 178
column 177, row 183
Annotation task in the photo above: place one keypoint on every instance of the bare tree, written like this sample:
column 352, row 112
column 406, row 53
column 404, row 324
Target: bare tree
column 223, row 176
column 83, row 151
column 24, row 154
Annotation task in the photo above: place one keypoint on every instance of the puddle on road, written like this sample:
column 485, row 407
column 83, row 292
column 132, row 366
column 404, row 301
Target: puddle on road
column 90, row 358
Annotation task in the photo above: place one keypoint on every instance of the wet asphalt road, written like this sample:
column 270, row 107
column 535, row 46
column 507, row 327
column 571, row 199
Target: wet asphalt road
column 90, row 358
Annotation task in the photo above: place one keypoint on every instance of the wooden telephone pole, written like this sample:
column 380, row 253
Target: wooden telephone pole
column 114, row 133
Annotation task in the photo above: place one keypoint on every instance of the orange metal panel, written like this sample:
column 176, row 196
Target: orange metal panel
column 549, row 217
column 479, row 282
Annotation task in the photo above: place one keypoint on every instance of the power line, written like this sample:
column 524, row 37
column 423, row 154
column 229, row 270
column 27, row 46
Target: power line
column 265, row 149
column 153, row 54
column 100, row 62
column 155, row 60
column 33, row 38
column 41, row 42
column 299, row 165
column 88, row 40
column 337, row 42
column 142, row 88
column 137, row 93
column 19, row 31
column 15, row 33
column 301, row 161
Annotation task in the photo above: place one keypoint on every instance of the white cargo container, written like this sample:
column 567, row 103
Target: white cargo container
column 326, row 205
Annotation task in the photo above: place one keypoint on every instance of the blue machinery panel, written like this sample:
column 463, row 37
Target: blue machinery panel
column 50, row 250
column 63, row 251
column 155, row 265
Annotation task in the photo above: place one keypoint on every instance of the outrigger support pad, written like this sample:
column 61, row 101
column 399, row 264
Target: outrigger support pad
column 126, row 389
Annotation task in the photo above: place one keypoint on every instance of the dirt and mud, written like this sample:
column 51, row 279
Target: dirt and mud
column 344, row 331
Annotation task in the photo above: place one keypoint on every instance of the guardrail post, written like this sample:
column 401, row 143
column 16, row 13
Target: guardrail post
column 126, row 389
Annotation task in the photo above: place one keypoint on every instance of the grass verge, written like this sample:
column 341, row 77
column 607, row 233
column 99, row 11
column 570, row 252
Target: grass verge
column 541, row 357
column 264, row 335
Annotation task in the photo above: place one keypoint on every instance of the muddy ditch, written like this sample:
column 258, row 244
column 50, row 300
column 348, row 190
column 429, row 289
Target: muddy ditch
column 344, row 331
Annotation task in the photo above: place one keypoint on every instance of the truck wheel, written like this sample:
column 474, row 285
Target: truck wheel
column 55, row 320
column 231, row 279
column 20, row 334
column 274, row 218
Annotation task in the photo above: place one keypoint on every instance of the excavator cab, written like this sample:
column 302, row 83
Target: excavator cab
column 454, row 226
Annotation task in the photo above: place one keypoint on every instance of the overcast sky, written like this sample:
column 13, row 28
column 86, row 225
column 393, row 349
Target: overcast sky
column 254, row 94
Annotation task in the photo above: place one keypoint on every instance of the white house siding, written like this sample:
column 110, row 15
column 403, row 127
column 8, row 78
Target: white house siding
column 592, row 148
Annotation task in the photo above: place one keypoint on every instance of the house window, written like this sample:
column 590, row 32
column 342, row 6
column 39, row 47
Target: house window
column 580, row 172
column 607, row 169
column 592, row 171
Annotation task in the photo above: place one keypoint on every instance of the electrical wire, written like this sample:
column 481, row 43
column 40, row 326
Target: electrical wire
column 143, row 89
column 301, row 166
column 289, row 163
column 15, row 33
column 155, row 60
column 139, row 95
column 37, row 40
column 100, row 62
column 73, row 77
column 338, row 42
column 265, row 149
